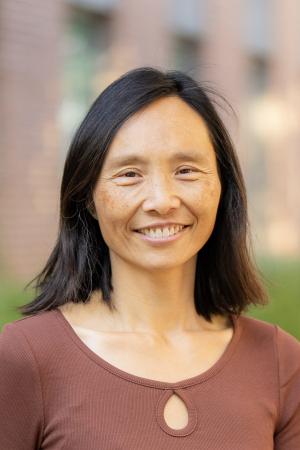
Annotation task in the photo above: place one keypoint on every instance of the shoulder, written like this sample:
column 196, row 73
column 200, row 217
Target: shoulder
column 285, row 347
column 14, row 334
column 28, row 325
column 286, row 342
column 263, row 327
column 18, row 365
column 28, row 336
column 259, row 332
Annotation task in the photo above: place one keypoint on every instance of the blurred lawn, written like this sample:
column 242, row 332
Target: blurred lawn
column 282, row 280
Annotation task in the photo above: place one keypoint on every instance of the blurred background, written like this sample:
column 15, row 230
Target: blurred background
column 57, row 56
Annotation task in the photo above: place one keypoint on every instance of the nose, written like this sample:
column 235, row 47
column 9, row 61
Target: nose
column 161, row 197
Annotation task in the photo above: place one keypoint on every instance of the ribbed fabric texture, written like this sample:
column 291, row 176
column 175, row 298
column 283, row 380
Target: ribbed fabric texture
column 57, row 394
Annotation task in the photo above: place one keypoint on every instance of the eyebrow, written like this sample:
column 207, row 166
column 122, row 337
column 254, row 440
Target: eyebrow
column 178, row 156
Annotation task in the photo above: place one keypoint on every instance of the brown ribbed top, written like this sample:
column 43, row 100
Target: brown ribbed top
column 57, row 394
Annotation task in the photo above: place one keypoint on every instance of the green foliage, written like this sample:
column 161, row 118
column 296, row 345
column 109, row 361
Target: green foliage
column 12, row 294
column 282, row 279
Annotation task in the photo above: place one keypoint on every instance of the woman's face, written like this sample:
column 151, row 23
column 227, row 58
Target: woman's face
column 160, row 169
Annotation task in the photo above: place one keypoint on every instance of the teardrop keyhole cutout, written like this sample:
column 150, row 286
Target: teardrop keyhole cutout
column 176, row 413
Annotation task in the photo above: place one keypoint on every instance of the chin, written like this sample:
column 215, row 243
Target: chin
column 162, row 264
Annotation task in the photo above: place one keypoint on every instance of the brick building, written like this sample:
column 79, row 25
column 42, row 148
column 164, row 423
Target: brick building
column 55, row 58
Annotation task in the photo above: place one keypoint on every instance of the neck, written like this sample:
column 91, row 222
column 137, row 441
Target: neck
column 161, row 303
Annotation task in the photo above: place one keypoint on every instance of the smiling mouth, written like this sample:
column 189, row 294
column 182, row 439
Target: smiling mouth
column 161, row 233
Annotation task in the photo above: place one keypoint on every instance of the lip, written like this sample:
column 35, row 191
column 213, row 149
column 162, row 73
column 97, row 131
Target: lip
column 165, row 240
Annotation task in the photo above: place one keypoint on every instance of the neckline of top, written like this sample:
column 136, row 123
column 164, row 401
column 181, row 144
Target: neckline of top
column 197, row 379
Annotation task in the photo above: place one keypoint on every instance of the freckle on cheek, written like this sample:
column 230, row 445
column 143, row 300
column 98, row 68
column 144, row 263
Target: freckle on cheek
column 112, row 202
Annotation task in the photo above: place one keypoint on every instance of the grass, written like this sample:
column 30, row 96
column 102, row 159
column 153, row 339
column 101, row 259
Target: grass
column 282, row 280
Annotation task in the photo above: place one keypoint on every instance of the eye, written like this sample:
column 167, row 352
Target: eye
column 127, row 174
column 186, row 169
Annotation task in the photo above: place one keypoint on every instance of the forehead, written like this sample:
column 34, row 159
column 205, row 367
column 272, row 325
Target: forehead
column 167, row 125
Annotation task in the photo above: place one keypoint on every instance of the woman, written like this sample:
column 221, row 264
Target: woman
column 137, row 339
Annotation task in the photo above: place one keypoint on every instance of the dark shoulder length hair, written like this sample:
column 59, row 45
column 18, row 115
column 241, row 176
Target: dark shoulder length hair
column 227, row 279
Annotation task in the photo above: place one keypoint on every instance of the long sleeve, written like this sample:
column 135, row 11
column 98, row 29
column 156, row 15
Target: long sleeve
column 287, row 436
column 21, row 407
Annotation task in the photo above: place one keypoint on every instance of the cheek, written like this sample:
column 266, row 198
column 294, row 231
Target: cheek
column 112, row 208
column 206, row 199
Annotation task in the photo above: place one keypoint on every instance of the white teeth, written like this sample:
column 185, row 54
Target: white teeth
column 166, row 232
column 153, row 233
column 159, row 233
